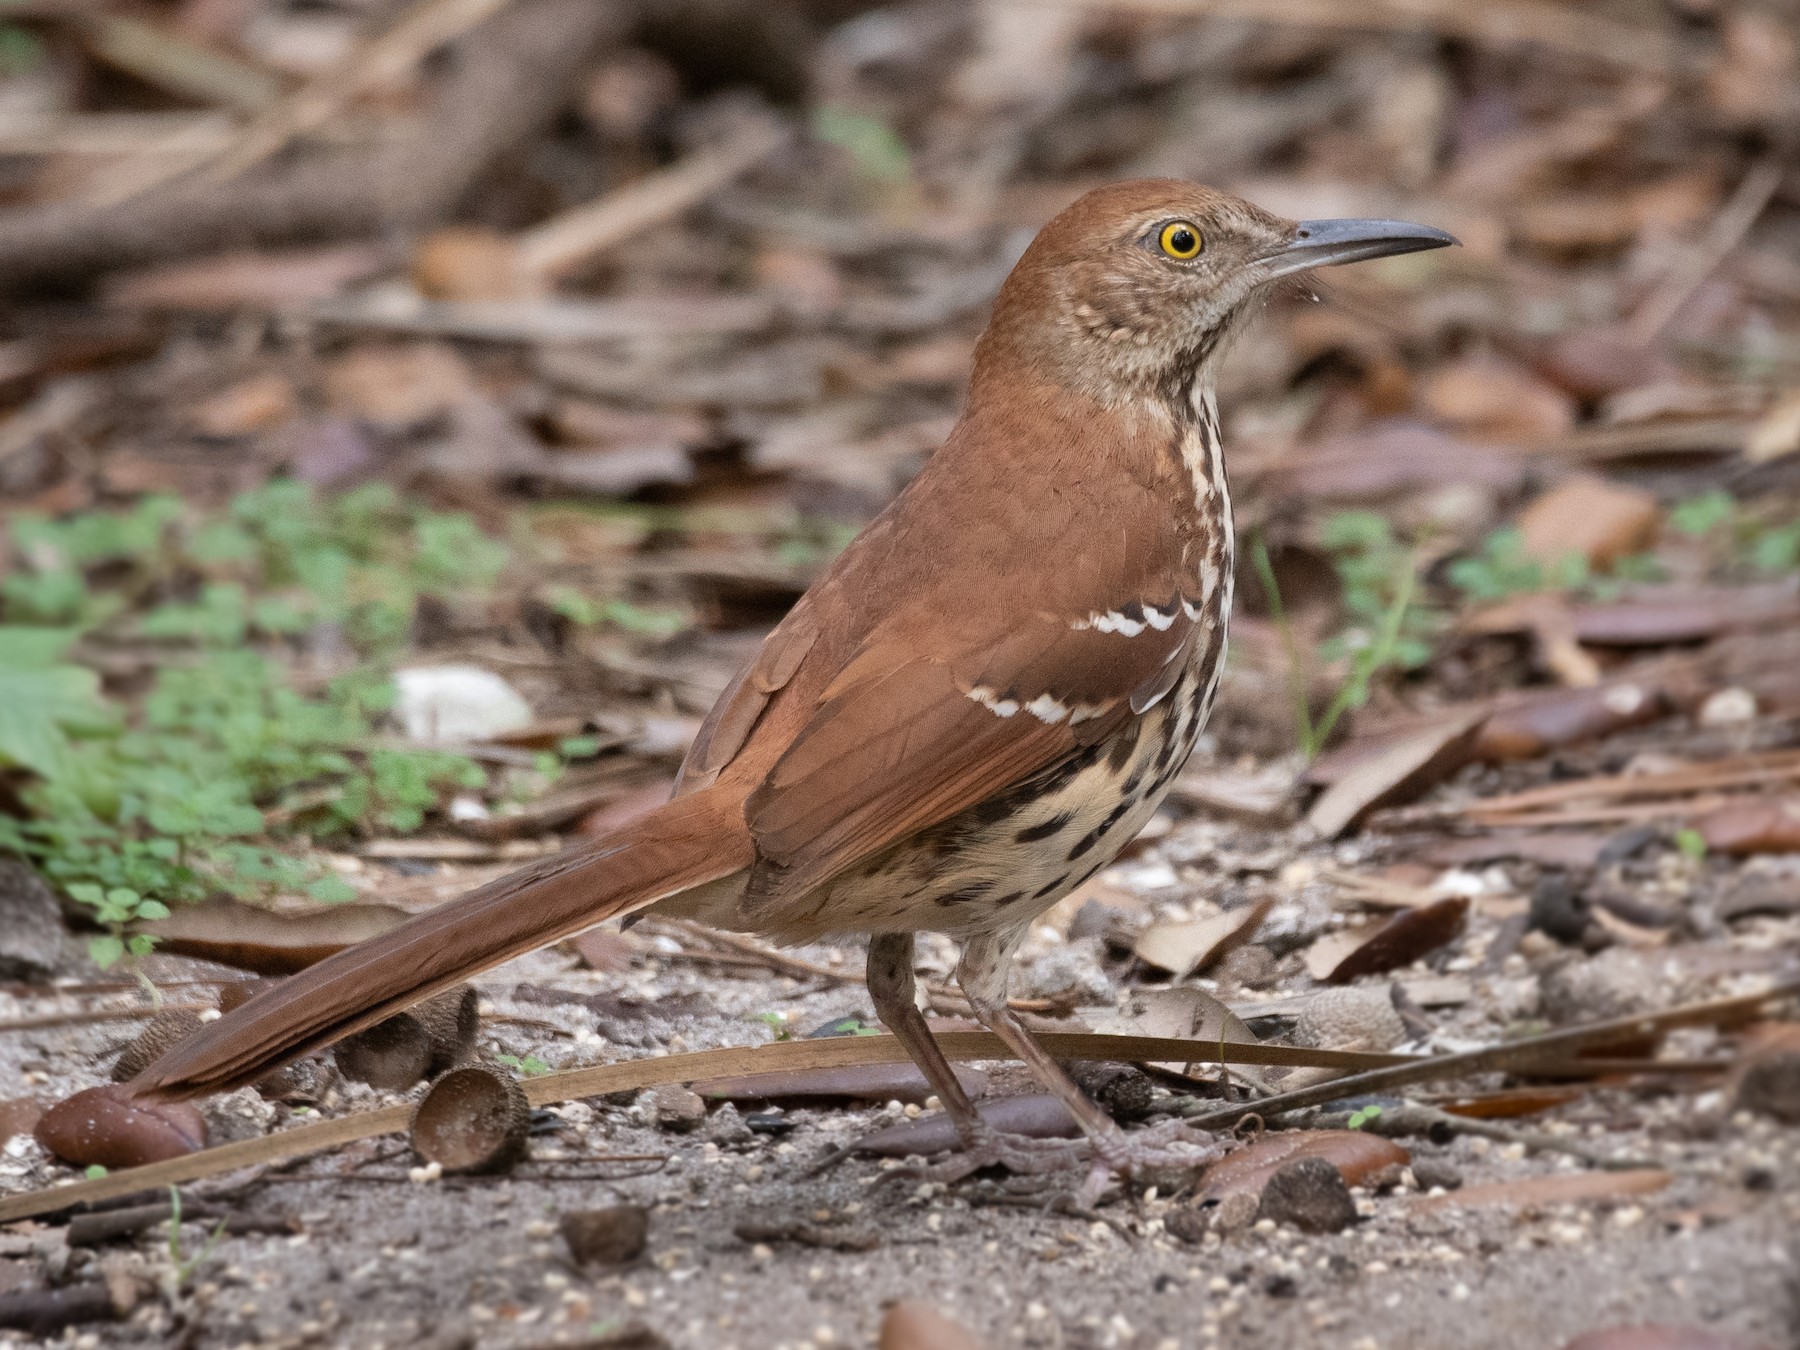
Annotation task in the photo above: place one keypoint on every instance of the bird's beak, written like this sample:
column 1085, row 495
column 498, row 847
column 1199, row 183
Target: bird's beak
column 1324, row 243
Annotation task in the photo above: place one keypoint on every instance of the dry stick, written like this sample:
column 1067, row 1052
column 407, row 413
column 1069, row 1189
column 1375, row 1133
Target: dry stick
column 420, row 31
column 634, row 1075
column 566, row 241
column 89, row 1015
column 1518, row 22
column 507, row 79
column 1729, row 227
column 1555, row 1046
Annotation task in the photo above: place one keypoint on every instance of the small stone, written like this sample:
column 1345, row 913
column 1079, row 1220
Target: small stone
column 678, row 1109
column 1435, row 1173
column 613, row 1236
column 31, row 926
column 1237, row 1210
column 1771, row 1087
column 1310, row 1194
column 1190, row 1223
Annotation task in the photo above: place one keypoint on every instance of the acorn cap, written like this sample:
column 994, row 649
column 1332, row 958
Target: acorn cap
column 474, row 1119
column 160, row 1035
column 394, row 1053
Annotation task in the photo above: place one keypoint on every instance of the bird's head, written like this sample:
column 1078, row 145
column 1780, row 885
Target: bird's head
column 1134, row 288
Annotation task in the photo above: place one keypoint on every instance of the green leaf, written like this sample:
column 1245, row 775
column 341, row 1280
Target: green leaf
column 38, row 708
column 107, row 951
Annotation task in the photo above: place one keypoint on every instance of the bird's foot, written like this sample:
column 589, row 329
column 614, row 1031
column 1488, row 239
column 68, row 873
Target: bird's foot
column 1169, row 1147
column 1021, row 1154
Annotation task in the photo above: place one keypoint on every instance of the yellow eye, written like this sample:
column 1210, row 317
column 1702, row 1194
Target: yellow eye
column 1180, row 239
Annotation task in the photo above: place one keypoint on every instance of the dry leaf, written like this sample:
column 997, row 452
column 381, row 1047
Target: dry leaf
column 1488, row 398
column 1656, row 1336
column 260, row 940
column 911, row 1325
column 1399, row 769
column 1357, row 1155
column 245, row 280
column 1748, row 825
column 1400, row 941
column 467, row 262
column 614, row 1236
column 1037, row 1116
column 1777, row 434
column 1183, row 948
column 864, row 1082
column 1597, row 521
column 19, row 1115
column 1535, row 723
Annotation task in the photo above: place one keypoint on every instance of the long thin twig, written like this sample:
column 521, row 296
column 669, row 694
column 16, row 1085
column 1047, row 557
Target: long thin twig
column 1753, row 194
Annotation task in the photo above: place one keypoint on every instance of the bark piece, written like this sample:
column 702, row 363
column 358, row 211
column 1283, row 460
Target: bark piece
column 1037, row 1116
column 1356, row 1156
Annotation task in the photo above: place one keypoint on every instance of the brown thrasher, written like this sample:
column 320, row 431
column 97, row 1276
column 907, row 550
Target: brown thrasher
column 974, row 709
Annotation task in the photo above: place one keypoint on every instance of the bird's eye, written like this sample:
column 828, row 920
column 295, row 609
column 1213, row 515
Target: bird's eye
column 1180, row 239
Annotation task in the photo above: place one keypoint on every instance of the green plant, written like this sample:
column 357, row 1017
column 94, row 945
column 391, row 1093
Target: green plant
column 1501, row 568
column 223, row 773
column 1386, row 629
column 1756, row 540
column 1361, row 1117
column 182, row 1268
column 528, row 1067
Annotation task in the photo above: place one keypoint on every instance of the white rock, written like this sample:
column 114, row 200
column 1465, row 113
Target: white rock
column 439, row 704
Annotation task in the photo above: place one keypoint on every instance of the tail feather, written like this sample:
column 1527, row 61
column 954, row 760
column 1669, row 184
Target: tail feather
column 696, row 838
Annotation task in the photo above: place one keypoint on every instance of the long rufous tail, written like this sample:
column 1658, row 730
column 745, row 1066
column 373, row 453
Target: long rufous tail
column 692, row 840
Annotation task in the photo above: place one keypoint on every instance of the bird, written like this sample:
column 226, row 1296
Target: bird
column 974, row 708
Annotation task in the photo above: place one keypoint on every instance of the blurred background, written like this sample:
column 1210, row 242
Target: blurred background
column 559, row 343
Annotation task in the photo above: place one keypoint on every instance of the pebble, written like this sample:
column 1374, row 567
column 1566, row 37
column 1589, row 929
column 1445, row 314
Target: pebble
column 1310, row 1194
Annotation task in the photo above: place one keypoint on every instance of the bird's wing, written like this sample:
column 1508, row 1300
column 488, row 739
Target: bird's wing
column 913, row 731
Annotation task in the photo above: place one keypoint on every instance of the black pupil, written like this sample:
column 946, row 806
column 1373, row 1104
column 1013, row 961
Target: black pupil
column 1181, row 241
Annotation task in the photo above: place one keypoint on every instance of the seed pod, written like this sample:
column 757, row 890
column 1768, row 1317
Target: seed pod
column 102, row 1126
column 396, row 1053
column 160, row 1035
column 473, row 1120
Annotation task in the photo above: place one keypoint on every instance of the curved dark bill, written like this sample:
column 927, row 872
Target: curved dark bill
column 1324, row 243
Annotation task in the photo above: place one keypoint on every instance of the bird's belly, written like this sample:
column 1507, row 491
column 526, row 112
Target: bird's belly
column 1002, row 863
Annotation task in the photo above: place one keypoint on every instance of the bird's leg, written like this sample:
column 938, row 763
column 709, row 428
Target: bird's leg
column 892, row 990
column 982, row 973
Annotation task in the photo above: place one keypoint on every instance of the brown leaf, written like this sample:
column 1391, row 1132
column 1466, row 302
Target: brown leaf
column 1591, row 363
column 1357, row 1156
column 267, row 942
column 1660, row 616
column 398, row 387
column 103, row 1127
column 474, row 1120
column 1564, row 1189
column 1403, row 939
column 1752, row 826
column 911, row 1325
column 1037, row 1116
column 1585, row 515
column 468, row 262
column 606, row 950
column 1183, row 948
column 1535, row 723
column 250, row 405
column 245, row 280
column 1489, row 398
column 1395, row 769
column 1390, row 457
column 864, row 1082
